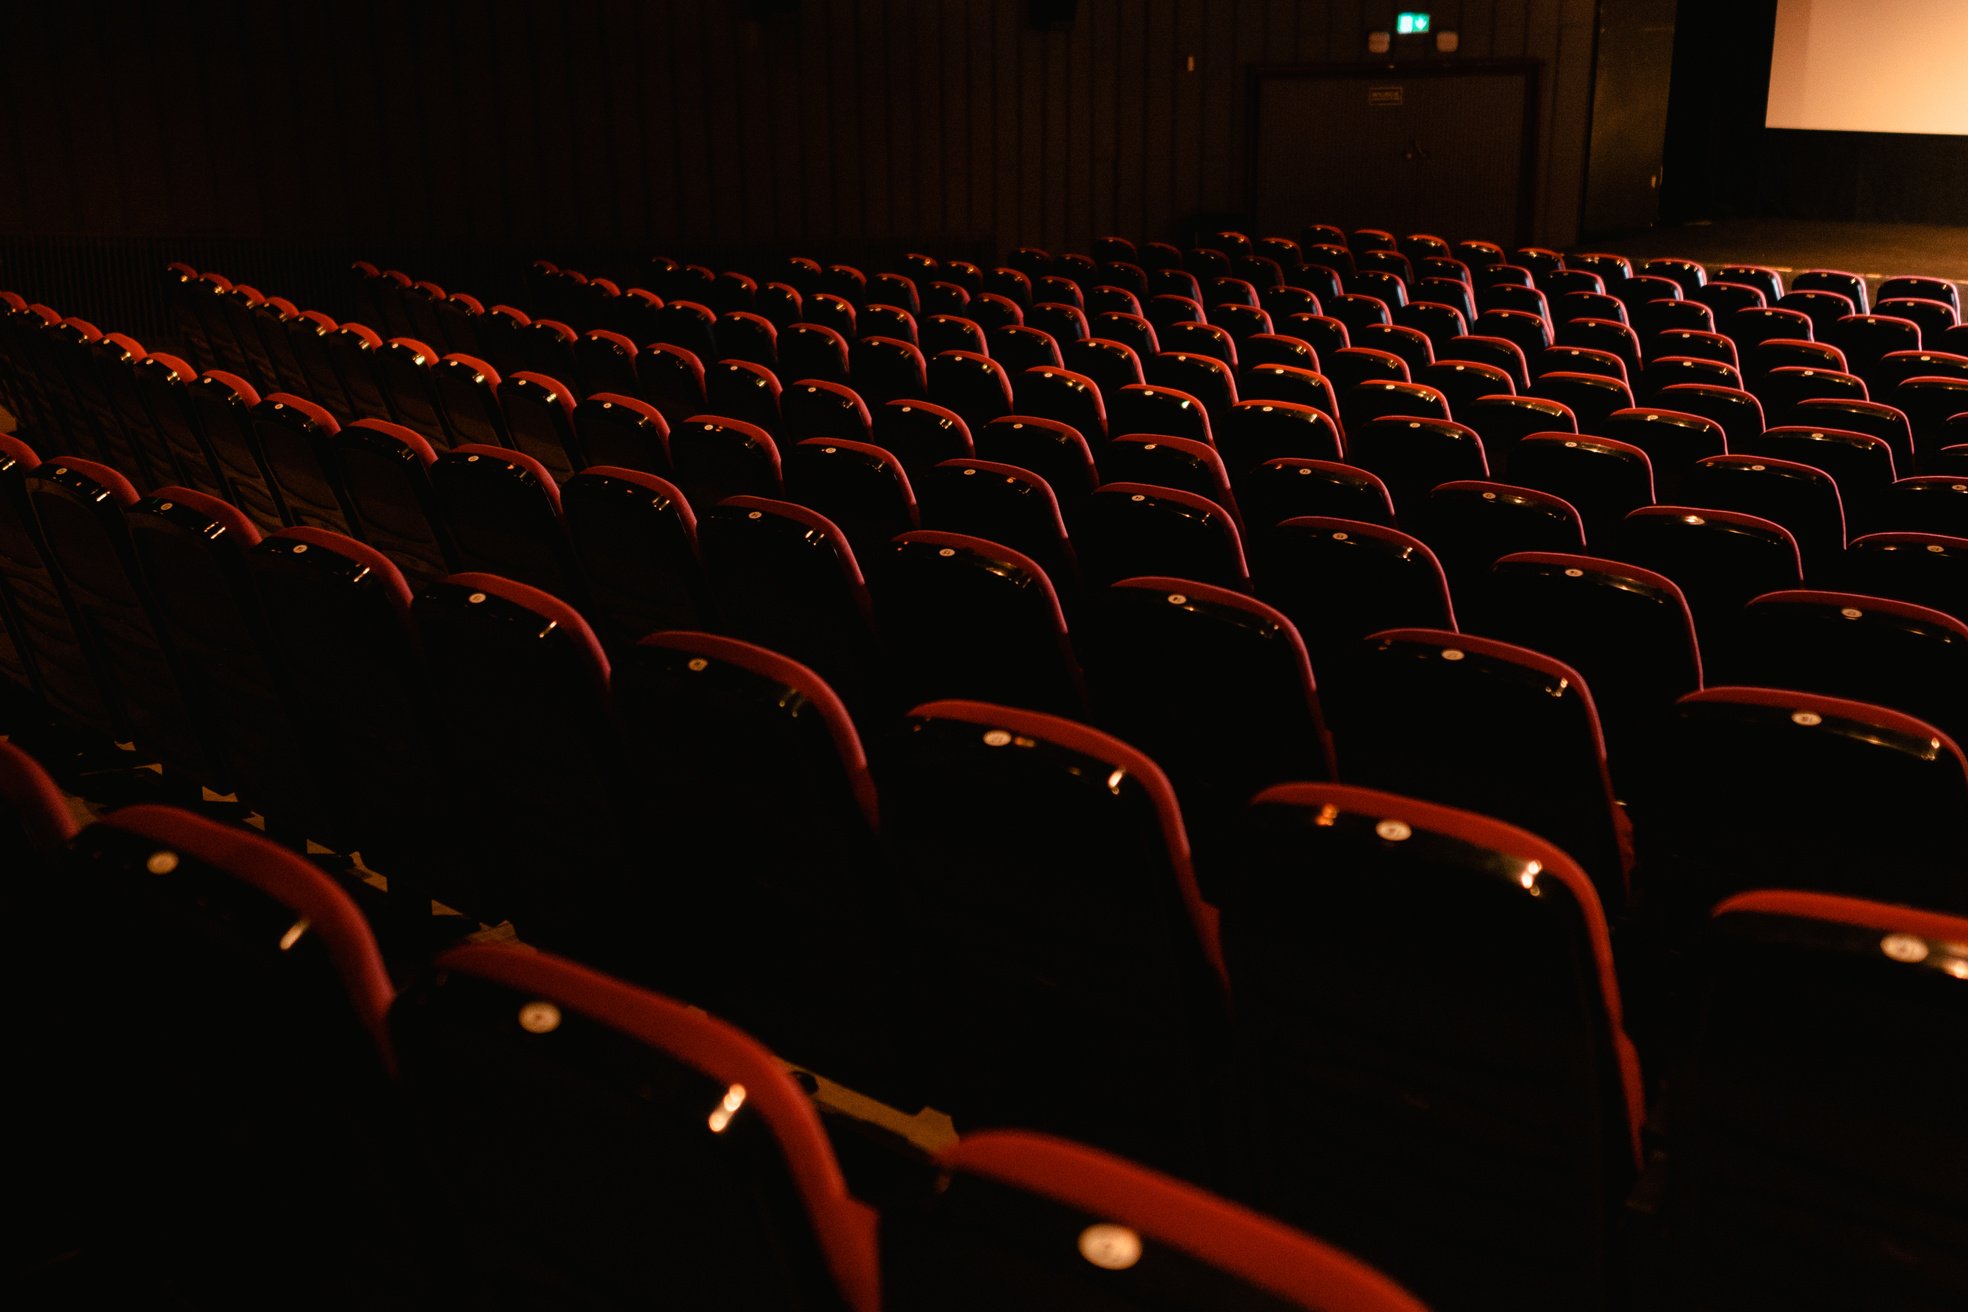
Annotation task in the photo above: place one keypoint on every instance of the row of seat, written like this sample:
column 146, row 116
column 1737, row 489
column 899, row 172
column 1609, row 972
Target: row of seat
column 952, row 614
column 558, row 1135
column 1848, row 485
column 1462, row 1112
column 1778, row 716
column 1573, row 490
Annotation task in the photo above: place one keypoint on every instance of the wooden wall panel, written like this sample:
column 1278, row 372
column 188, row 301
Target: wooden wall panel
column 715, row 128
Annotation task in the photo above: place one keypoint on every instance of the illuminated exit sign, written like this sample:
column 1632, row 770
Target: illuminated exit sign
column 1411, row 22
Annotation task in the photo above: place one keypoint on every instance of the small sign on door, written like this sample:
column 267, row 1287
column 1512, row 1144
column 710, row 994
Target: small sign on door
column 1390, row 96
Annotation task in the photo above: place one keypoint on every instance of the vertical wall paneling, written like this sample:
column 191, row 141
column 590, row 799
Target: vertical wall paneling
column 928, row 72
column 461, row 133
column 1008, row 100
column 1189, row 129
column 1158, row 115
column 1058, row 143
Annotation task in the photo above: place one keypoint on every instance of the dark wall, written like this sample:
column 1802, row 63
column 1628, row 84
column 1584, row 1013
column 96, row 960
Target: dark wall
column 683, row 123
column 1723, row 163
column 239, row 132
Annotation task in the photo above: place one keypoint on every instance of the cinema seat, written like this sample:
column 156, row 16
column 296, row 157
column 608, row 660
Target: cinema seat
column 1722, row 298
column 1411, row 455
column 1696, row 344
column 1665, row 371
column 858, row 486
column 1215, row 686
column 612, row 429
column 385, row 470
column 1288, row 385
column 972, row 385
column 1465, row 1115
column 52, row 656
column 1461, row 382
column 35, row 820
column 1349, row 366
column 1823, row 308
column 1497, row 352
column 1860, row 464
column 1935, row 319
column 1107, row 364
column 1815, row 1012
column 715, row 458
column 1289, row 486
column 224, row 404
column 1803, row 499
column 1626, row 630
column 1931, row 289
column 1064, row 397
column 1025, row 1220
column 1927, row 503
column 1209, row 380
column 1199, row 339
column 786, row 578
column 502, row 512
column 531, row 758
column 1258, row 430
column 969, row 618
column 1339, row 580
column 672, row 379
column 191, row 552
column 1591, row 397
column 1074, row 972
column 1600, row 478
column 80, row 507
column 690, row 326
column 951, row 332
column 1498, row 729
column 1767, row 787
column 738, row 750
column 1055, row 451
column 1440, row 324
column 1319, row 331
column 1869, row 649
column 164, row 385
column 1165, row 309
column 922, row 435
column 884, row 369
column 1574, row 358
column 1174, row 462
column 295, row 447
column 245, row 980
column 1151, row 408
column 1470, row 523
column 610, row 1181
column 744, row 335
column 1502, row 421
column 121, row 417
column 1129, row 529
column 338, row 637
column 1865, row 339
column 403, row 367
column 749, row 393
column 467, row 390
column 635, row 539
column 1005, row 504
column 1928, row 401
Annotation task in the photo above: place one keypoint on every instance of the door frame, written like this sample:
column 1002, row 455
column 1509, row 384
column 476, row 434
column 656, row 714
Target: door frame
column 1532, row 70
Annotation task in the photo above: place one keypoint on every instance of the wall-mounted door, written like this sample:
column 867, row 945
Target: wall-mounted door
column 1446, row 149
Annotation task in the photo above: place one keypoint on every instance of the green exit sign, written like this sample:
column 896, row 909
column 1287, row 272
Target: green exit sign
column 1410, row 22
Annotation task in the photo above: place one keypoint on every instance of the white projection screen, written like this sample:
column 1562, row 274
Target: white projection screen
column 1870, row 66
